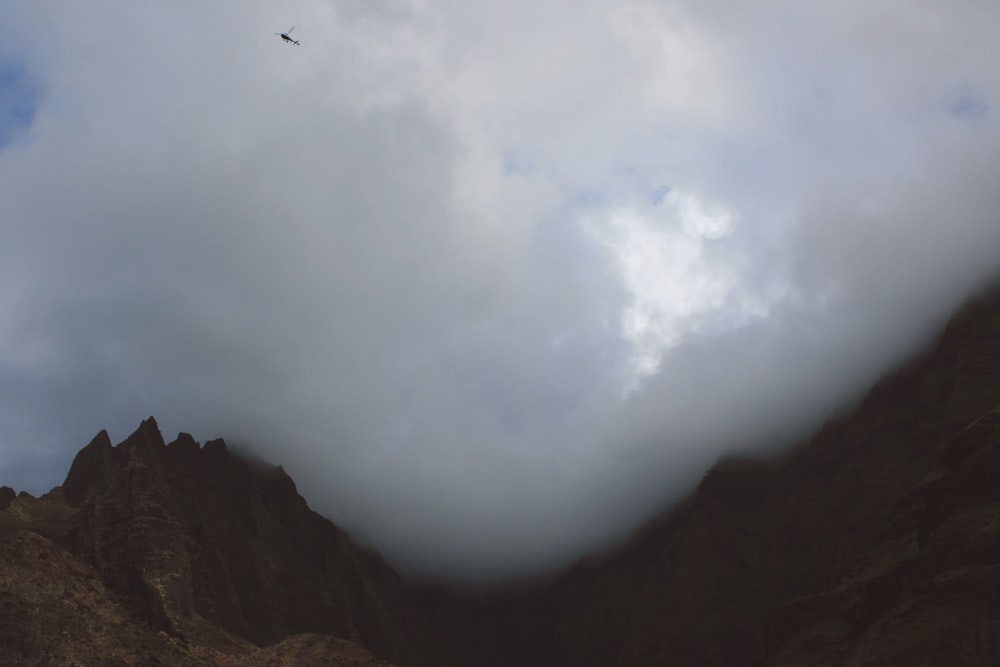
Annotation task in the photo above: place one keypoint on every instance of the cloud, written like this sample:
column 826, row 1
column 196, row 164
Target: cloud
column 674, row 281
column 493, row 281
column 17, row 101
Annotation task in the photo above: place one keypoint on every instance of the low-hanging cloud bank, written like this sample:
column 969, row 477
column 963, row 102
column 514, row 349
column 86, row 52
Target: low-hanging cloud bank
column 492, row 280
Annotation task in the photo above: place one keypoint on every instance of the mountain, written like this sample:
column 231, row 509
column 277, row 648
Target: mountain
column 875, row 542
column 181, row 554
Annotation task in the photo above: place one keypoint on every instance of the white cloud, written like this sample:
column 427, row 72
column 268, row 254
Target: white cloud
column 417, row 258
column 673, row 282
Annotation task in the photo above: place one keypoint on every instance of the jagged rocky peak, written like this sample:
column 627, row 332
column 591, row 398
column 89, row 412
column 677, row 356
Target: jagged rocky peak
column 217, row 448
column 89, row 469
column 96, row 462
column 184, row 443
column 147, row 434
column 7, row 496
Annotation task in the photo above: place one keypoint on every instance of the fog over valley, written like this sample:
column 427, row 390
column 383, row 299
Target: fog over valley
column 493, row 281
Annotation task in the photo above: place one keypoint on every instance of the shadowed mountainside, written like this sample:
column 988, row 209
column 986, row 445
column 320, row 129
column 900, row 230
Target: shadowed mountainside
column 875, row 542
column 207, row 549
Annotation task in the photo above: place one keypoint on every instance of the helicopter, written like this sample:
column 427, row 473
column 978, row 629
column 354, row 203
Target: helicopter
column 285, row 36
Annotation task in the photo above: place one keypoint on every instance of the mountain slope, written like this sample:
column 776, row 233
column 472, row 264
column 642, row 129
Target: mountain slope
column 218, row 552
column 810, row 557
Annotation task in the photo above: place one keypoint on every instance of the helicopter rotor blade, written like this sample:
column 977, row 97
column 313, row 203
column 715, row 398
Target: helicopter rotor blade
column 290, row 30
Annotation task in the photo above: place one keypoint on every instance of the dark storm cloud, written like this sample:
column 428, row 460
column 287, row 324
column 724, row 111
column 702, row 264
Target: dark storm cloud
column 490, row 289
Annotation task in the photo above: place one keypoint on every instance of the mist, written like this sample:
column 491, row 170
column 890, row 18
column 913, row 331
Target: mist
column 492, row 281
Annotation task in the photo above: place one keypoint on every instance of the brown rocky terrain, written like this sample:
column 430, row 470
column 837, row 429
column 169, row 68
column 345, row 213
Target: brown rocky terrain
column 177, row 553
column 876, row 542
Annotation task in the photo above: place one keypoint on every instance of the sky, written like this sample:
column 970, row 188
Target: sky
column 493, row 281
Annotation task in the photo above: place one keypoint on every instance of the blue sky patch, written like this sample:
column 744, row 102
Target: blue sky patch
column 590, row 199
column 18, row 100
column 658, row 194
column 970, row 105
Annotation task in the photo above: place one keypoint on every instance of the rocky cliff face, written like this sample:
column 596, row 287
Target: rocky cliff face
column 205, row 549
column 875, row 542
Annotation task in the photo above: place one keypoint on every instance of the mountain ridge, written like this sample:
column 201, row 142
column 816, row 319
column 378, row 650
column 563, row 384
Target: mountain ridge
column 219, row 552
